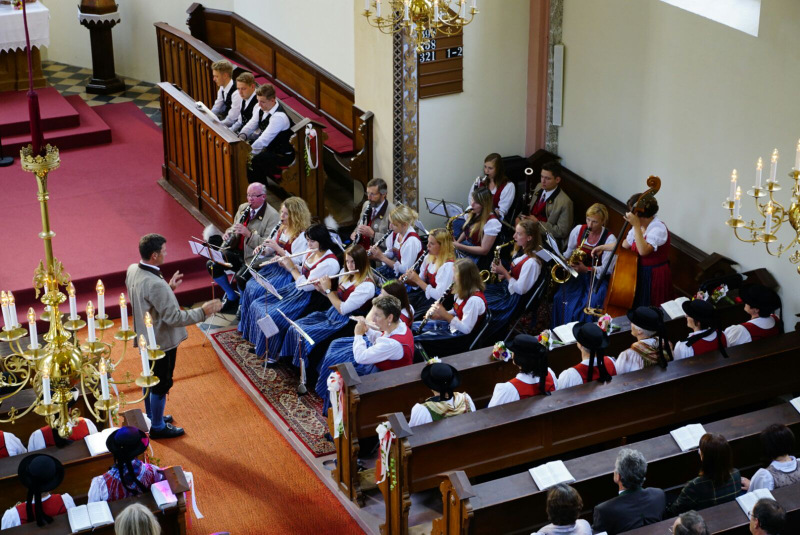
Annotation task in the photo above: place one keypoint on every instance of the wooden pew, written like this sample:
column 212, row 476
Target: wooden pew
column 514, row 504
column 172, row 519
column 532, row 429
column 368, row 398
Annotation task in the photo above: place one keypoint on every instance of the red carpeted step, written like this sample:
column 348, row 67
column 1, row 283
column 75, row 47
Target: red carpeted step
column 92, row 130
column 56, row 111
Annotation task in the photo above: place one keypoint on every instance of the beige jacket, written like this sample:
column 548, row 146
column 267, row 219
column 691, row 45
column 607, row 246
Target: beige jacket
column 149, row 292
column 380, row 225
column 259, row 228
column 559, row 214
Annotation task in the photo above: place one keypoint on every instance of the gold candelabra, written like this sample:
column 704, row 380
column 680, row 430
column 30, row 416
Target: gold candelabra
column 771, row 213
column 429, row 17
column 62, row 363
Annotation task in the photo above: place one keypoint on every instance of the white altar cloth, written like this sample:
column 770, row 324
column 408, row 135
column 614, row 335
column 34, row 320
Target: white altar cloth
column 12, row 30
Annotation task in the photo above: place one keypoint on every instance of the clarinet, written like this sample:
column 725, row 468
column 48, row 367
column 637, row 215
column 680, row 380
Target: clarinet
column 416, row 265
column 257, row 251
column 233, row 239
column 362, row 221
column 429, row 313
column 380, row 242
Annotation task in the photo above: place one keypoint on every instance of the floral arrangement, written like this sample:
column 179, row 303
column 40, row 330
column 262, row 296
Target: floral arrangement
column 433, row 360
column 547, row 339
column 720, row 293
column 605, row 323
column 17, row 4
column 501, row 352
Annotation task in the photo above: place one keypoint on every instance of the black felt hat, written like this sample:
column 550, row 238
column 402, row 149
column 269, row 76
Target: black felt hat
column 440, row 377
column 525, row 343
column 40, row 472
column 700, row 310
column 648, row 318
column 590, row 336
column 127, row 443
column 760, row 297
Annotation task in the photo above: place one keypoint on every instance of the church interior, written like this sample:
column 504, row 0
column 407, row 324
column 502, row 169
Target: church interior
column 400, row 267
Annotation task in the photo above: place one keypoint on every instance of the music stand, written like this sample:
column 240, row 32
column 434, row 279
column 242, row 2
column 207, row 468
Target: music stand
column 443, row 208
column 301, row 388
column 266, row 324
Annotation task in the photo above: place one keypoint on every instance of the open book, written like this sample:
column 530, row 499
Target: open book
column 551, row 474
column 748, row 501
column 96, row 442
column 796, row 403
column 89, row 516
column 564, row 332
column 674, row 308
column 163, row 495
column 688, row 437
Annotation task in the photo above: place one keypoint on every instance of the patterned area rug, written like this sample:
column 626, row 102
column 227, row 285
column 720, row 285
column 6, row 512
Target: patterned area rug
column 278, row 387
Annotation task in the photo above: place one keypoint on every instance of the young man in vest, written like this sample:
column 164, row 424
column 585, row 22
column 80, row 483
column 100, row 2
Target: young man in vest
column 228, row 100
column 550, row 205
column 706, row 335
column 374, row 221
column 595, row 366
column 40, row 474
column 442, row 379
column 268, row 132
column 10, row 445
column 246, row 87
column 392, row 341
column 761, row 303
column 534, row 377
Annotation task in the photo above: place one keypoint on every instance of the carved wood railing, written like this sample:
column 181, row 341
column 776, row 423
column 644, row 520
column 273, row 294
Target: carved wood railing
column 186, row 62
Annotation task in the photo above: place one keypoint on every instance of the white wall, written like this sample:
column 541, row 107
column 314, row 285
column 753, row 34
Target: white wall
column 652, row 89
column 458, row 131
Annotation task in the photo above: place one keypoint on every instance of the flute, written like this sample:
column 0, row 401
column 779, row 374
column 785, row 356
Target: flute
column 370, row 325
column 279, row 258
column 314, row 281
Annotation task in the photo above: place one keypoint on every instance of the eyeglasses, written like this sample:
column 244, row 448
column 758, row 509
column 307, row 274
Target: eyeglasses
column 255, row 196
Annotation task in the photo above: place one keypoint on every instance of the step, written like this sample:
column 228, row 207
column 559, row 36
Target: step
column 55, row 111
column 92, row 130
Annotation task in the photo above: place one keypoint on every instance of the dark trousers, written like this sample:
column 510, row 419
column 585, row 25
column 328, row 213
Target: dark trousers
column 163, row 369
column 267, row 164
column 235, row 259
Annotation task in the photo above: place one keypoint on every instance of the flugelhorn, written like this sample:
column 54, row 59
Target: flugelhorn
column 314, row 281
column 279, row 258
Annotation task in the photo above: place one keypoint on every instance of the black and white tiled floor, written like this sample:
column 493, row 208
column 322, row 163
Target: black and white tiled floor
column 72, row 80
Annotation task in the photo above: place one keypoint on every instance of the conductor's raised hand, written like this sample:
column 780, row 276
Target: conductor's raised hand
column 212, row 307
column 176, row 280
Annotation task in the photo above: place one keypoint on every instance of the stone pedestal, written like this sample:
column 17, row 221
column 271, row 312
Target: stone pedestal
column 99, row 17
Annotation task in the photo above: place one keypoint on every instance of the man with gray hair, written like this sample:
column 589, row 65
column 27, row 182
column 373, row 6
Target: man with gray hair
column 690, row 523
column 373, row 223
column 635, row 506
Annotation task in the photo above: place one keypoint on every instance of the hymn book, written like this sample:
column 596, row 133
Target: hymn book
column 688, row 437
column 748, row 501
column 796, row 403
column 89, row 516
column 96, row 442
column 163, row 494
column 551, row 474
column 564, row 332
column 674, row 308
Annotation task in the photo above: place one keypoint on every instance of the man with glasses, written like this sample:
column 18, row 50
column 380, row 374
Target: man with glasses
column 253, row 222
column 373, row 223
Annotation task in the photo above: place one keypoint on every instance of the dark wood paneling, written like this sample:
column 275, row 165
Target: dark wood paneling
column 260, row 53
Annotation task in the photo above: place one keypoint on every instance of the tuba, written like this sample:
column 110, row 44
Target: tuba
column 487, row 276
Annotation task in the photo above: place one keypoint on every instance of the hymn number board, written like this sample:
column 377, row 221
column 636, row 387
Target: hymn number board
column 441, row 65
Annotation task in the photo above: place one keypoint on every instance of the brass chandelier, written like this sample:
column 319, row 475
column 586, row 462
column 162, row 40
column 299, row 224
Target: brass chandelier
column 426, row 19
column 61, row 363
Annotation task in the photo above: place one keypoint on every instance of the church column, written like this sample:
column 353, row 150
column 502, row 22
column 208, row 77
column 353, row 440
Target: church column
column 405, row 117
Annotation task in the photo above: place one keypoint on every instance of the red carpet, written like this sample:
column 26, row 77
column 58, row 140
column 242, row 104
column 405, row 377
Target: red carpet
column 102, row 200
column 56, row 112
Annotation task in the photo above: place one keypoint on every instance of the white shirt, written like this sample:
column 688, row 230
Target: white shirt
column 236, row 103
column 151, row 267
column 528, row 274
column 421, row 415
column 630, row 361
column 36, row 440
column 472, row 311
column 655, row 234
column 383, row 348
column 277, row 124
column 570, row 377
column 243, row 104
column 764, row 480
column 572, row 242
column 506, row 197
column 409, row 250
column 683, row 351
column 491, row 228
column 13, row 444
column 363, row 293
column 11, row 516
column 329, row 267
column 507, row 393
column 738, row 335
column 444, row 277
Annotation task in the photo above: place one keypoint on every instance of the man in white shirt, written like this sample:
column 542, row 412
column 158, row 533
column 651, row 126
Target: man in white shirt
column 228, row 100
column 268, row 132
column 246, row 87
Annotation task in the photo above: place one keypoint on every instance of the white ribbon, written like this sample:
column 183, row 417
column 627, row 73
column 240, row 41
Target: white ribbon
column 190, row 478
column 385, row 437
column 335, row 384
column 311, row 134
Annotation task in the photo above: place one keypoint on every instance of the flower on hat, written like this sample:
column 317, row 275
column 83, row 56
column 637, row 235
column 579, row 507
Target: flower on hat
column 720, row 293
column 703, row 296
column 433, row 360
column 604, row 322
column 501, row 352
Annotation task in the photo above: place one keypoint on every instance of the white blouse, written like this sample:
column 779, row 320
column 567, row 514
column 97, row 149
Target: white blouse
column 383, row 348
column 11, row 516
column 491, row 228
column 13, row 444
column 421, row 415
column 683, row 351
column 655, row 234
column 738, row 335
column 570, row 377
column 572, row 244
column 36, row 440
column 444, row 278
column 630, row 361
column 363, row 293
column 764, row 480
column 528, row 275
column 329, row 267
column 409, row 250
column 506, row 198
column 507, row 393
column 472, row 311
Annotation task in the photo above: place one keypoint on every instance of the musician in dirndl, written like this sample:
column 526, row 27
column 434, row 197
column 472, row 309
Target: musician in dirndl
column 761, row 303
column 403, row 246
column 436, row 273
column 595, row 365
column 498, row 184
column 480, row 230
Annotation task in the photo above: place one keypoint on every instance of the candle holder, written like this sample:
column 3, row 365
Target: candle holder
column 728, row 205
column 34, row 353
column 43, row 409
column 767, row 238
column 735, row 222
column 110, row 404
column 12, row 334
column 147, row 381
column 757, row 192
column 124, row 336
column 155, row 353
column 95, row 348
column 101, row 323
column 74, row 325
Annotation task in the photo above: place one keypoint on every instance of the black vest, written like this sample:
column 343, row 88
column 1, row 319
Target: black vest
column 280, row 144
column 228, row 99
column 247, row 111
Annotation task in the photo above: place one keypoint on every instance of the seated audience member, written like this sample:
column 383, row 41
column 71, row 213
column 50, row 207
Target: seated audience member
column 47, row 436
column 768, row 518
column 550, row 205
column 246, row 87
column 718, row 482
column 635, row 506
column 706, row 335
column 495, row 180
column 403, row 246
column 564, row 505
column 10, row 445
column 480, row 230
column 136, row 519
column 689, row 523
column 442, row 379
column 761, row 303
column 534, row 377
column 595, row 366
column 779, row 444
column 651, row 347
column 436, row 273
column 40, row 474
column 129, row 476
column 226, row 106
column 269, row 132
column 373, row 223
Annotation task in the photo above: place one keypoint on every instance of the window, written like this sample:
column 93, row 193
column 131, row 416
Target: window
column 742, row 15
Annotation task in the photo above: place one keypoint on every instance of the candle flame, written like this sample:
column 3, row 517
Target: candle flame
column 3, row 299
column 148, row 320
column 101, row 290
column 770, row 208
column 122, row 301
column 10, row 298
column 71, row 290
column 738, row 192
column 734, row 176
column 774, row 156
column 142, row 341
column 31, row 315
column 759, row 164
column 89, row 309
column 103, row 366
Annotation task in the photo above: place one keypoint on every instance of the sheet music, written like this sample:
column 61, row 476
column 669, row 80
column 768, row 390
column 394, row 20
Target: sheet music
column 796, row 403
column 298, row 329
column 564, row 332
column 96, row 442
column 216, row 256
column 267, row 326
column 264, row 283
column 674, row 308
column 544, row 254
column 199, row 249
column 443, row 208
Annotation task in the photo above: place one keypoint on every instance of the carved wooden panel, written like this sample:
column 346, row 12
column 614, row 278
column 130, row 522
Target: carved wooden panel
column 254, row 49
column 299, row 79
column 335, row 104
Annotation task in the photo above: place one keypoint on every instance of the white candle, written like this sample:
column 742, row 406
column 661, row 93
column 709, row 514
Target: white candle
column 123, row 312
column 46, row 389
column 101, row 299
column 797, row 157
column 378, row 9
column 73, row 304
column 768, row 223
column 103, row 380
column 435, row 13
column 759, row 166
column 32, row 328
column 462, row 12
column 143, row 354
column 773, row 165
column 151, row 334
column 12, row 310
column 474, row 4
column 366, row 5
column 4, row 302
column 90, row 319
column 737, row 204
column 733, row 186
column 405, row 16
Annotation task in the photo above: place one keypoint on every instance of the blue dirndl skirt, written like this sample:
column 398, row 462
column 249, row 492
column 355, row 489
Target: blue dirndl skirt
column 253, row 291
column 571, row 298
column 320, row 326
column 340, row 351
column 501, row 302
column 293, row 303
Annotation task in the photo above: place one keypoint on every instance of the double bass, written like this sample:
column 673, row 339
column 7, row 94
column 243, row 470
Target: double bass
column 622, row 286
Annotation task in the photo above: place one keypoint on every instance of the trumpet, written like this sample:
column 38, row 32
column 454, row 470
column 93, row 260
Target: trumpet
column 380, row 242
column 362, row 221
column 404, row 276
column 488, row 276
column 314, row 281
column 279, row 258
column 429, row 313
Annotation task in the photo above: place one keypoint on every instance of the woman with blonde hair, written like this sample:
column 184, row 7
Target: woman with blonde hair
column 403, row 246
column 436, row 273
column 573, row 296
column 136, row 519
column 480, row 230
